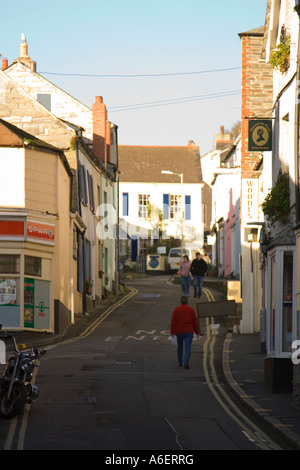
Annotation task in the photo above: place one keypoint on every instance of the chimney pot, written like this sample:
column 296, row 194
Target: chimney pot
column 33, row 65
column 4, row 64
column 99, row 99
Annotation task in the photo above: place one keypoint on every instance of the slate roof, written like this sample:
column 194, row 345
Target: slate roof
column 11, row 135
column 254, row 32
column 144, row 164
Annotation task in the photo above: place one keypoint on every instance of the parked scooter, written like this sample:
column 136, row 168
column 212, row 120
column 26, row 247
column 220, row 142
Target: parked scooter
column 16, row 388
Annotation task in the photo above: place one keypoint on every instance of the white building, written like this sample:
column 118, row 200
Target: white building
column 281, row 244
column 162, row 196
column 225, row 222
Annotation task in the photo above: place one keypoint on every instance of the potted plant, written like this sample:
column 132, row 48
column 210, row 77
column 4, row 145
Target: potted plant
column 280, row 55
column 89, row 286
column 276, row 205
column 211, row 270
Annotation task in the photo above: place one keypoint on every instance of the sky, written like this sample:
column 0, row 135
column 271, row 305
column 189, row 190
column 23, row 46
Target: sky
column 169, row 71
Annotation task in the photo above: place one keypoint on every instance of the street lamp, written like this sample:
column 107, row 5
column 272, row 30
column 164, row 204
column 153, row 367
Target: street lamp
column 168, row 172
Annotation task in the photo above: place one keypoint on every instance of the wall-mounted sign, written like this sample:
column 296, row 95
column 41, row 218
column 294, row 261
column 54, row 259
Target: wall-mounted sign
column 39, row 232
column 260, row 135
column 12, row 229
column 249, row 201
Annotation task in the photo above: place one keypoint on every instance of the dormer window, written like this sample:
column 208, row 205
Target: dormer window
column 45, row 100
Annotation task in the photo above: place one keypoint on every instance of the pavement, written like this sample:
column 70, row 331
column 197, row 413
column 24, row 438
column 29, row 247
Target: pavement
column 244, row 371
column 243, row 368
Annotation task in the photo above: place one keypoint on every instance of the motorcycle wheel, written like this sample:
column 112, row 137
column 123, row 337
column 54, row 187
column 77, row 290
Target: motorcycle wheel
column 15, row 404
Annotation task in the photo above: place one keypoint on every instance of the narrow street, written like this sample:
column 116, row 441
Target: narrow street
column 120, row 388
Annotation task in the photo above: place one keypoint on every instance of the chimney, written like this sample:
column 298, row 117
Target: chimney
column 100, row 130
column 33, row 65
column 24, row 58
column 4, row 64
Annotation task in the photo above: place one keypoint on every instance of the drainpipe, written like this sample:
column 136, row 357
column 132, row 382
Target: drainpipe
column 83, row 273
column 296, row 132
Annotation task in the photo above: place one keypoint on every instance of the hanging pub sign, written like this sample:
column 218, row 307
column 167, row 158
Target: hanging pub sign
column 260, row 135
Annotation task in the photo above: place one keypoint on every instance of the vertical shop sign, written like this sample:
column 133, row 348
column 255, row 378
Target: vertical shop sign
column 28, row 303
column 249, row 201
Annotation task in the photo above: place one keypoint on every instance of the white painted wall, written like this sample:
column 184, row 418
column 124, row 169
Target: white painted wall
column 12, row 177
column 192, row 229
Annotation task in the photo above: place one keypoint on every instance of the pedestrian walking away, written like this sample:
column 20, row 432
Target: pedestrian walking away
column 198, row 270
column 184, row 324
column 185, row 275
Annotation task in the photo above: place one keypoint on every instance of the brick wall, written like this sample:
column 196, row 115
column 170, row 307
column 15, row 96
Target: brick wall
column 100, row 129
column 257, row 79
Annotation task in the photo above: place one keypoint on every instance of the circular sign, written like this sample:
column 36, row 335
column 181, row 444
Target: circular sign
column 153, row 263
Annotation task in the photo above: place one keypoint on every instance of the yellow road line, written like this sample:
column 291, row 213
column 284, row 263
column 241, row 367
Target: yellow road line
column 257, row 436
column 84, row 334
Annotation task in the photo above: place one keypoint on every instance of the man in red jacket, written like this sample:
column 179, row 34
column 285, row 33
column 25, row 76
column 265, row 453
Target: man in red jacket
column 184, row 324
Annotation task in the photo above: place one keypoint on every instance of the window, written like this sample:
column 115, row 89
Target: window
column 287, row 306
column 166, row 205
column 125, row 199
column 175, row 207
column 45, row 100
column 10, row 264
column 91, row 191
column 272, row 302
column 105, row 210
column 9, row 292
column 75, row 243
column 87, row 259
column 281, row 294
column 144, row 201
column 82, row 185
column 33, row 266
column 187, row 208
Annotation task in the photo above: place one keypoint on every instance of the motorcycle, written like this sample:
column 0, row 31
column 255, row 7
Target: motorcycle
column 16, row 388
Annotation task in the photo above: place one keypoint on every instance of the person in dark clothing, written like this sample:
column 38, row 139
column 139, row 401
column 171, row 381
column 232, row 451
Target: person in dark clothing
column 198, row 270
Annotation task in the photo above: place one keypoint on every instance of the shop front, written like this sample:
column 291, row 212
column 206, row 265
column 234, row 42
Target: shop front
column 281, row 318
column 26, row 267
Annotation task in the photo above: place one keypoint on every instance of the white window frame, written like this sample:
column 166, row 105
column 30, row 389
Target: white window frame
column 175, row 207
column 143, row 202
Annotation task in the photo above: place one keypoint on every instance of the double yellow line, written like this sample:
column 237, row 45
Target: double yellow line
column 248, row 428
column 24, row 416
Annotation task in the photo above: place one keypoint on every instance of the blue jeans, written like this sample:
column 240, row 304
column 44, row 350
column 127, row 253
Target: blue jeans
column 198, row 284
column 187, row 339
column 185, row 284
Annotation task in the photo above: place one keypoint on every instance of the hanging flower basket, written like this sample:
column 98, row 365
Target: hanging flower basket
column 280, row 55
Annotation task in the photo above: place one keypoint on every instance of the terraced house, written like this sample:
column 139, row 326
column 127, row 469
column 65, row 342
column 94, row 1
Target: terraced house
column 89, row 143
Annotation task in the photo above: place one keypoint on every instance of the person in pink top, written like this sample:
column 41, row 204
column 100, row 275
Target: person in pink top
column 185, row 275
